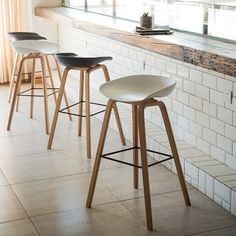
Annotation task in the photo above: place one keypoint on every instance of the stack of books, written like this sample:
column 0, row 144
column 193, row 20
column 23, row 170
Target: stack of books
column 152, row 31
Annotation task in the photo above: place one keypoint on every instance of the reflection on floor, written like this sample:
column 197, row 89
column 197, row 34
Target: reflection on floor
column 44, row 192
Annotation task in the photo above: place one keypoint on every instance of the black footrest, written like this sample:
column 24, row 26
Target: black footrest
column 23, row 93
column 75, row 104
column 105, row 156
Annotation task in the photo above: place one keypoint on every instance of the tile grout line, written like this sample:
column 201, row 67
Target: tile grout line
column 213, row 230
column 120, row 201
column 59, row 176
column 24, row 210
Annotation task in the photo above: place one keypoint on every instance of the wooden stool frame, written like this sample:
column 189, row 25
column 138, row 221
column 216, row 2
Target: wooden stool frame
column 15, row 101
column 139, row 134
column 84, row 85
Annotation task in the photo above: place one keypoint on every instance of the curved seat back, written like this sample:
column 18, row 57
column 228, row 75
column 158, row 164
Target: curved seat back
column 137, row 88
column 25, row 36
column 72, row 60
column 35, row 46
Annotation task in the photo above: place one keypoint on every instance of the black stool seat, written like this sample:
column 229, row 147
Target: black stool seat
column 15, row 36
column 72, row 60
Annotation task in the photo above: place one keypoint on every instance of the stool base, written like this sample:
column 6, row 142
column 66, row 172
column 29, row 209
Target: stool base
column 105, row 156
column 79, row 115
column 139, row 132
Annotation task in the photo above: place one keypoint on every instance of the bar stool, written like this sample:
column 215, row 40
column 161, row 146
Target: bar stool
column 139, row 91
column 85, row 65
column 15, row 36
column 33, row 50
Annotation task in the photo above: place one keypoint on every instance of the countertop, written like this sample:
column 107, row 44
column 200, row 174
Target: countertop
column 200, row 51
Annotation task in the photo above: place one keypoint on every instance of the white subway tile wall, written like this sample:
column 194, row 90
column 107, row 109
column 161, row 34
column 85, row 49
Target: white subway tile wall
column 197, row 108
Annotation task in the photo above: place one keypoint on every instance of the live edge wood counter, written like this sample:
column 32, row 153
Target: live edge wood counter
column 207, row 53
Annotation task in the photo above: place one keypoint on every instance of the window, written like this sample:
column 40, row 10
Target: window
column 213, row 18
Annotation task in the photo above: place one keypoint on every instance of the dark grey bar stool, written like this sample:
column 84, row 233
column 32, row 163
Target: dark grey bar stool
column 85, row 65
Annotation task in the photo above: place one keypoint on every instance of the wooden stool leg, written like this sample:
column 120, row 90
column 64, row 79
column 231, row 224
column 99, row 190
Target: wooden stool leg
column 13, row 76
column 56, row 113
column 87, row 105
column 45, row 94
column 18, row 97
column 60, row 78
column 175, row 152
column 99, row 153
column 135, row 144
column 32, row 89
column 143, row 150
column 81, row 97
column 18, row 83
column 122, row 137
column 51, row 79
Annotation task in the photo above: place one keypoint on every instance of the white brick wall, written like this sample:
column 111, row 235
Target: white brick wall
column 202, row 92
column 197, row 103
column 189, row 87
column 216, row 97
column 209, row 108
column 196, row 107
column 225, row 115
column 217, row 126
column 222, row 191
column 196, row 76
column 209, row 81
column 224, row 143
column 183, row 71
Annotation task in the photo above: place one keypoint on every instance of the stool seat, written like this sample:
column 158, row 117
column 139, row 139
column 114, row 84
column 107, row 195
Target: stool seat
column 35, row 46
column 137, row 88
column 24, row 36
column 72, row 60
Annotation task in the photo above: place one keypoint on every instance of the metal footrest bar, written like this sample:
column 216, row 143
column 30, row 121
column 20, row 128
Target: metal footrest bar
column 75, row 104
column 36, row 95
column 105, row 156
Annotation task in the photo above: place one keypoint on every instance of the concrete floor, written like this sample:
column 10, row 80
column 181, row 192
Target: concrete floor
column 44, row 192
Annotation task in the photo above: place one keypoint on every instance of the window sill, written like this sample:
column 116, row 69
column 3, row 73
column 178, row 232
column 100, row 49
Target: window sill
column 203, row 52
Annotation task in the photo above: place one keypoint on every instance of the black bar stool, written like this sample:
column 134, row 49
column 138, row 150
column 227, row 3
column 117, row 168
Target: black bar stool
column 138, row 91
column 85, row 65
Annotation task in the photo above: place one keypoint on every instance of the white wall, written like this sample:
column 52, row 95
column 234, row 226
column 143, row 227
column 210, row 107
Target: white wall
column 198, row 113
column 38, row 24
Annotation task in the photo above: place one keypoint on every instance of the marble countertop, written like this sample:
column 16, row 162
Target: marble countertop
column 200, row 51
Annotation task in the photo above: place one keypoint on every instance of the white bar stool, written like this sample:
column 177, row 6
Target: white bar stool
column 139, row 91
column 16, row 36
column 32, row 50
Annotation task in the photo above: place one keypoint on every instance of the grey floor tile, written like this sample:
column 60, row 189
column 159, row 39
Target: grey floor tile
column 120, row 181
column 3, row 180
column 10, row 207
column 59, row 194
column 18, row 228
column 172, row 217
column 106, row 220
column 40, row 166
column 229, row 231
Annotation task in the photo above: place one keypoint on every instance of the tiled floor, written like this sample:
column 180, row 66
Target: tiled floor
column 44, row 192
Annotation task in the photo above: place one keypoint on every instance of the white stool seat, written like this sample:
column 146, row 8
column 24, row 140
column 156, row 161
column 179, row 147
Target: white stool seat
column 35, row 46
column 137, row 88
